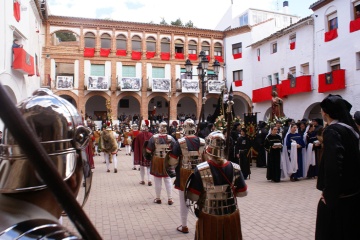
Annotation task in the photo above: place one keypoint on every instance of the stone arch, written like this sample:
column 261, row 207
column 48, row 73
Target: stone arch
column 55, row 41
column 313, row 111
column 69, row 98
column 70, row 94
column 128, row 94
column 245, row 97
column 177, row 101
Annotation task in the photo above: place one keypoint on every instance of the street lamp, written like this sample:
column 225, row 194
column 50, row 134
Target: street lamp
column 202, row 72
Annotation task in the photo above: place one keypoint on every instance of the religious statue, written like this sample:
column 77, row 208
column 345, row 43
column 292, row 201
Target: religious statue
column 276, row 106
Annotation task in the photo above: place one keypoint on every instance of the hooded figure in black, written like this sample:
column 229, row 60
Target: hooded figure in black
column 261, row 134
column 242, row 150
column 338, row 213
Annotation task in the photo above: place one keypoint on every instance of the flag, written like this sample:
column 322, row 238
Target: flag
column 250, row 120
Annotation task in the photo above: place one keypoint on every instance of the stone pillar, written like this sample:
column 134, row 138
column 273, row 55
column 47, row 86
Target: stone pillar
column 172, row 47
column 158, row 46
column 129, row 45
column 143, row 45
column 186, row 47
column 113, row 43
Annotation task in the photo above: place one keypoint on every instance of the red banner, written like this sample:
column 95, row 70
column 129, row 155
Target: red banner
column 135, row 55
column 262, row 94
column 17, row 10
column 150, row 55
column 208, row 57
column 302, row 84
column 121, row 52
column 331, row 35
column 89, row 52
column 355, row 25
column 337, row 81
column 193, row 57
column 23, row 62
column 219, row 58
column 165, row 56
column 179, row 56
column 258, row 58
column 104, row 52
column 237, row 55
column 238, row 83
column 292, row 46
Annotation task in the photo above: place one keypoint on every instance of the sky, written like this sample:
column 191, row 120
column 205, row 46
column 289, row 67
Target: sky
column 203, row 13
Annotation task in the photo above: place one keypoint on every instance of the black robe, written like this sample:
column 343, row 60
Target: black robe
column 242, row 148
column 274, row 156
column 339, row 181
column 260, row 139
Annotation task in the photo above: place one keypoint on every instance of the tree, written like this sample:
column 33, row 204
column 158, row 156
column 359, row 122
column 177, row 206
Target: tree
column 66, row 36
column 189, row 24
column 178, row 22
column 163, row 22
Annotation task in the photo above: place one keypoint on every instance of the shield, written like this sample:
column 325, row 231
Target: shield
column 170, row 169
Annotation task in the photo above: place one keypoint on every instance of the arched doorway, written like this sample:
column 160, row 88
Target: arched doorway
column 210, row 106
column 128, row 107
column 267, row 114
column 95, row 108
column 158, row 109
column 240, row 106
column 70, row 99
column 186, row 108
column 313, row 111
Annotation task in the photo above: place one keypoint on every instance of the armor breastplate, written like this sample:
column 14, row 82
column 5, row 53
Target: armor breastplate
column 219, row 199
column 37, row 229
column 161, row 149
column 191, row 158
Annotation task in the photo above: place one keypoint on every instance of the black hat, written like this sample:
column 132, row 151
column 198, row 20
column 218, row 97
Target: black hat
column 319, row 121
column 357, row 117
column 335, row 106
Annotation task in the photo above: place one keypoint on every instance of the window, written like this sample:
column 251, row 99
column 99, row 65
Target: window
column 165, row 45
column 192, row 47
column 276, row 78
column 270, row 80
column 121, row 42
column 334, row 64
column 237, row 48
column 332, row 21
column 358, row 61
column 292, row 71
column 237, row 75
column 244, row 19
column 292, row 38
column 105, row 41
column 136, row 43
column 89, row 40
column 128, row 71
column 274, row 47
column 150, row 44
column 179, row 46
column 217, row 49
column 97, row 70
column 158, row 72
column 356, row 9
column 205, row 46
column 305, row 70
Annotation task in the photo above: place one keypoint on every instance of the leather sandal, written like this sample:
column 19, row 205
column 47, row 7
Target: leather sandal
column 183, row 229
column 149, row 183
column 142, row 182
column 170, row 202
column 158, row 201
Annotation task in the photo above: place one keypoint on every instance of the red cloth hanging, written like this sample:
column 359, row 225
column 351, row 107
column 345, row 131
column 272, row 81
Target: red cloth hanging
column 179, row 56
column 104, row 52
column 302, row 84
column 331, row 35
column 17, row 10
column 238, row 83
column 292, row 46
column 258, row 57
column 219, row 58
column 208, row 57
column 89, row 52
column 135, row 55
column 237, row 55
column 355, row 25
column 121, row 52
column 165, row 56
column 193, row 57
column 150, row 55
column 23, row 62
column 262, row 94
column 338, row 81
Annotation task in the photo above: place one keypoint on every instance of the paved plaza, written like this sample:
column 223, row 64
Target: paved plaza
column 121, row 208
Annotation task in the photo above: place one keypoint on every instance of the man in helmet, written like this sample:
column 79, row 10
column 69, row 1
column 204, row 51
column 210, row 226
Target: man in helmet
column 109, row 147
column 186, row 154
column 157, row 148
column 215, row 185
column 27, row 206
column 138, row 144
column 133, row 134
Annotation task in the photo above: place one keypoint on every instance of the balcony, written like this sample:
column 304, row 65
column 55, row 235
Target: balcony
column 332, row 81
column 23, row 62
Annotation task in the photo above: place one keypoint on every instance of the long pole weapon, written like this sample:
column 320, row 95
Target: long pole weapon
column 41, row 161
column 229, row 120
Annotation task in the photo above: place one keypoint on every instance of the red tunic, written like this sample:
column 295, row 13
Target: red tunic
column 138, row 148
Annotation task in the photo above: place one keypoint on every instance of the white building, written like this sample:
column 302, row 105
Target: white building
column 19, row 68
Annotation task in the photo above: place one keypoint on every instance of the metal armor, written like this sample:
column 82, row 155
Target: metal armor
column 191, row 158
column 220, row 199
column 161, row 149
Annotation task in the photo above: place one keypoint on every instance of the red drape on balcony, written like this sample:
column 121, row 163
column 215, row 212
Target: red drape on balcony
column 355, row 25
column 89, row 52
column 150, row 55
column 262, row 94
column 121, row 52
column 179, row 56
column 165, row 56
column 238, row 83
column 193, row 57
column 23, row 62
column 135, row 55
column 208, row 57
column 237, row 55
column 338, row 81
column 258, row 57
column 331, row 35
column 104, row 52
column 292, row 46
column 16, row 10
column 219, row 58
column 303, row 84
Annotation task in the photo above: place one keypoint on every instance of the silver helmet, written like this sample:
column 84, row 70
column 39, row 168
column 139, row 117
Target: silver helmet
column 134, row 127
column 215, row 144
column 189, row 127
column 59, row 128
column 163, row 127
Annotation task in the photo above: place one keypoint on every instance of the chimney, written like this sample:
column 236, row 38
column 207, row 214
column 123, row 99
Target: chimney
column 286, row 7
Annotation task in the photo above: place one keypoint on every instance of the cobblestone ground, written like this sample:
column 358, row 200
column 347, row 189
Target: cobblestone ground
column 121, row 208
